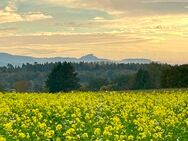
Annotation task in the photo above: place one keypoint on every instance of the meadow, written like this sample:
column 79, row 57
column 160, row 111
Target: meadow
column 100, row 116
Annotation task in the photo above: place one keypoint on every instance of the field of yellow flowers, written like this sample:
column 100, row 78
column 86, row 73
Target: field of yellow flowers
column 102, row 116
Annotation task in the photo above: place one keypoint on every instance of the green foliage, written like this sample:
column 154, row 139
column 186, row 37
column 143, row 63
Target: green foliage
column 175, row 77
column 95, row 116
column 22, row 86
column 62, row 78
column 99, row 76
column 142, row 80
column 122, row 82
column 2, row 89
column 97, row 83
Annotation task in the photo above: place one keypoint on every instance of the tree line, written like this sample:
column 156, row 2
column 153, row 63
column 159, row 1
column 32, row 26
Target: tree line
column 92, row 76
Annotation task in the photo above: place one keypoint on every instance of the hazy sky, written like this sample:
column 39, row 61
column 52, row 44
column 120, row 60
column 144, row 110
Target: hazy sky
column 114, row 29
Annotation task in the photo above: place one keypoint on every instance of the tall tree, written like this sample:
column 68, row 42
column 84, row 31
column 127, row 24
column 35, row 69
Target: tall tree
column 62, row 78
column 175, row 77
column 142, row 80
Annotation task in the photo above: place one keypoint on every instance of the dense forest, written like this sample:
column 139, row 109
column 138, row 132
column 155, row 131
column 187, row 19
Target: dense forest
column 97, row 76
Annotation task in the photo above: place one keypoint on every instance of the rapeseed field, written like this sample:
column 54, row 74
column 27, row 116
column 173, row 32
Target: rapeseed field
column 100, row 116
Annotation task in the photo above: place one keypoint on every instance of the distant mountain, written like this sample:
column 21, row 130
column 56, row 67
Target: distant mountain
column 6, row 58
column 17, row 60
column 92, row 58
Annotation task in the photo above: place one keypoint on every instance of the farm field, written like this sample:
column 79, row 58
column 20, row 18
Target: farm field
column 100, row 116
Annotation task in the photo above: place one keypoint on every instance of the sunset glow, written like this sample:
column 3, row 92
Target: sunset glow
column 113, row 29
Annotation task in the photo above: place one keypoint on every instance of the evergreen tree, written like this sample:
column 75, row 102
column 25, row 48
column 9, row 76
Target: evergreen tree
column 62, row 78
column 142, row 80
column 175, row 77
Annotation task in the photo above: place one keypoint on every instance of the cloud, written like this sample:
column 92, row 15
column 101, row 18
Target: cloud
column 71, row 39
column 165, row 1
column 118, row 28
column 9, row 14
column 104, row 5
column 108, row 46
column 126, row 7
column 7, row 31
column 99, row 18
column 34, row 16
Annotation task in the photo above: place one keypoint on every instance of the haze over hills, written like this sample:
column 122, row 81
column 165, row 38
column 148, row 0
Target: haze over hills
column 135, row 61
column 17, row 60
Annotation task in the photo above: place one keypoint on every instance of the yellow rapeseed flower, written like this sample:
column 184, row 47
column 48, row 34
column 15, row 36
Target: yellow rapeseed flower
column 59, row 127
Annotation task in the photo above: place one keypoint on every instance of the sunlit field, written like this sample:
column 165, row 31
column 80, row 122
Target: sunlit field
column 101, row 116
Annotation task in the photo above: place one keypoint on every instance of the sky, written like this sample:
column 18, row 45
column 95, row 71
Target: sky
column 113, row 29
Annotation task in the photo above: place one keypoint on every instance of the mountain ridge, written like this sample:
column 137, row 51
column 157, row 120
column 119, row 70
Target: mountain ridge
column 17, row 60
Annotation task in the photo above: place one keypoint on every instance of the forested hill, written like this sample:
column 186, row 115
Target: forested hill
column 97, row 76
